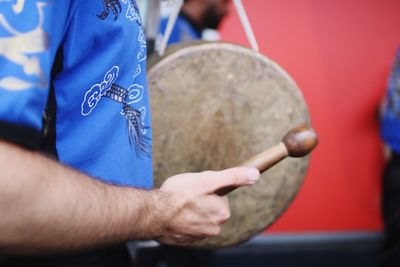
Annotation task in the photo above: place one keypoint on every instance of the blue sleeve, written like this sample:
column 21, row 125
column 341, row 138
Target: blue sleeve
column 30, row 33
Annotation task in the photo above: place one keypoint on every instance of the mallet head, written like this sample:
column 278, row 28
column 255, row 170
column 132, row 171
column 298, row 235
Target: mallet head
column 300, row 141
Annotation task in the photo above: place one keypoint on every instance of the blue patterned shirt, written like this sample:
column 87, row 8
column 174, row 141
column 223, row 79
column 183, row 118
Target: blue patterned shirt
column 91, row 56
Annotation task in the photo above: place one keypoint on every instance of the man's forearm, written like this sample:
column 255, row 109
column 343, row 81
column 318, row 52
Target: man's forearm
column 47, row 207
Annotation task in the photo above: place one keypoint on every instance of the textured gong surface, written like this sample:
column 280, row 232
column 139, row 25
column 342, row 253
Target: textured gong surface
column 213, row 106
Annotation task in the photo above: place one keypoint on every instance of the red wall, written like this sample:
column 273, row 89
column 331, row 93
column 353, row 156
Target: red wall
column 339, row 52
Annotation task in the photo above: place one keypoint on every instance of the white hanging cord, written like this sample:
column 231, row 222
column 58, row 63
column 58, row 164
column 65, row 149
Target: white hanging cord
column 170, row 25
column 246, row 24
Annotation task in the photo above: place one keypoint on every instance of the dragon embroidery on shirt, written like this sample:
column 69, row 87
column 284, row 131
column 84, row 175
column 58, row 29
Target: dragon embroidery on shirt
column 110, row 5
column 115, row 7
column 135, row 118
column 130, row 97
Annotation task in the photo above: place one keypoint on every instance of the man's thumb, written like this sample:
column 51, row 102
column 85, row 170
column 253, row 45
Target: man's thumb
column 234, row 177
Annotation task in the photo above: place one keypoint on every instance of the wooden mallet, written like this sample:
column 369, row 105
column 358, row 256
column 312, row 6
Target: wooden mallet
column 298, row 142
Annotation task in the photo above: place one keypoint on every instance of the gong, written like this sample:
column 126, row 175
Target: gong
column 215, row 105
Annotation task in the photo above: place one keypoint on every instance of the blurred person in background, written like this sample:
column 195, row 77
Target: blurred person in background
column 390, row 129
column 195, row 17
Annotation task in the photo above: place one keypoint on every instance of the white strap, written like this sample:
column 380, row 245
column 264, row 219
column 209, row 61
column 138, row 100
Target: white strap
column 170, row 25
column 246, row 24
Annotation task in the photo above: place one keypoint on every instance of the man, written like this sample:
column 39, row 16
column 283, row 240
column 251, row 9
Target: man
column 391, row 179
column 86, row 59
column 196, row 16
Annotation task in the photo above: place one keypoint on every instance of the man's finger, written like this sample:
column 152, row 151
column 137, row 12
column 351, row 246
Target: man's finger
column 233, row 177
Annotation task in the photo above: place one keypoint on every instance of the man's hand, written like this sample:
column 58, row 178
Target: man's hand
column 197, row 212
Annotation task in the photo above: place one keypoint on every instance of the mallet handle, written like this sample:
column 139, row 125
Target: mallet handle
column 262, row 162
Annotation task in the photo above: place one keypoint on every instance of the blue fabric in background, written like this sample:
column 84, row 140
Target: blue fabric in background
column 391, row 115
column 182, row 31
column 103, row 114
